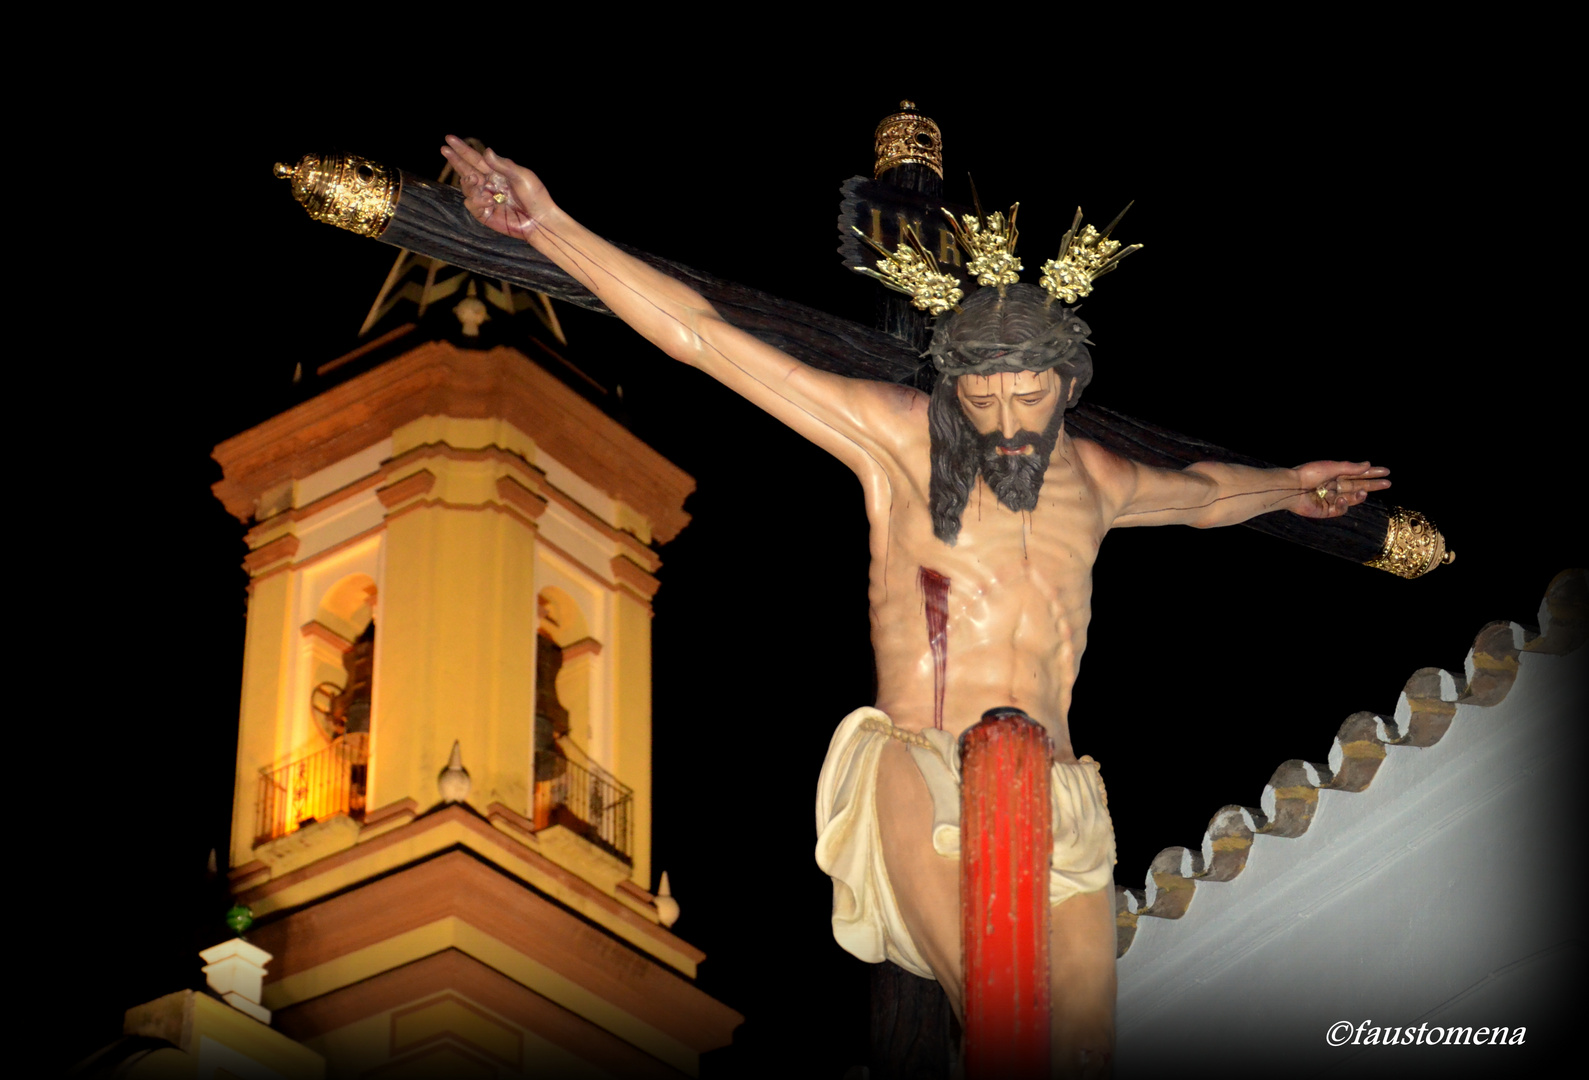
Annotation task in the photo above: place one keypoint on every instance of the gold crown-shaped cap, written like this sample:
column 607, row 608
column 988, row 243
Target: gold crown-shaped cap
column 908, row 138
column 350, row 192
column 1413, row 546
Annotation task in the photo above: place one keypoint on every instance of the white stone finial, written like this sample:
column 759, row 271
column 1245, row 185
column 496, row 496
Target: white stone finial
column 471, row 311
column 667, row 907
column 453, row 781
column 236, row 971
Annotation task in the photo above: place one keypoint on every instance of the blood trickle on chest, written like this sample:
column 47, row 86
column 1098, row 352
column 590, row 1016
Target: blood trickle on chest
column 935, row 592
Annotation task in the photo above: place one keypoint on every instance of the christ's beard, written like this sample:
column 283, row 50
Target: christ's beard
column 1016, row 479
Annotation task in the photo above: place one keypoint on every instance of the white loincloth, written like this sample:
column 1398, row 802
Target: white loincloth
column 866, row 918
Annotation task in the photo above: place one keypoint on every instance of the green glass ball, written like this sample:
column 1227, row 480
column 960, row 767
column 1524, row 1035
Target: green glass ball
column 240, row 918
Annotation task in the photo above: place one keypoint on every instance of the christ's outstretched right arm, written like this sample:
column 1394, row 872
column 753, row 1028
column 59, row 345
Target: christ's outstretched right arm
column 840, row 415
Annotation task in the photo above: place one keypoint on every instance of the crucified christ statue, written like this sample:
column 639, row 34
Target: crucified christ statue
column 985, row 519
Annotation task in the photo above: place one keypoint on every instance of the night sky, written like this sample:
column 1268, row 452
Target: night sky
column 1328, row 272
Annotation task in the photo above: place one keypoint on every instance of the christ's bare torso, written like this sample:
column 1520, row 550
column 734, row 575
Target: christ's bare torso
column 1015, row 588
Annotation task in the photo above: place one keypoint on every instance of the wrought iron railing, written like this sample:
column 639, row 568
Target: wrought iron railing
column 313, row 788
column 595, row 805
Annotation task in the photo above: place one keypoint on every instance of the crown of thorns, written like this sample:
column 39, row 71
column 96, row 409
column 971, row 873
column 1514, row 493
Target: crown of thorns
column 1062, row 341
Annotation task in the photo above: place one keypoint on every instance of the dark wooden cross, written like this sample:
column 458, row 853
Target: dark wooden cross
column 429, row 218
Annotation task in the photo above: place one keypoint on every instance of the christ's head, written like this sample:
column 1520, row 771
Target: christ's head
column 1009, row 368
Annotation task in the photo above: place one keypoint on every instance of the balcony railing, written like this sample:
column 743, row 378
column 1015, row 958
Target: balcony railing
column 592, row 804
column 313, row 788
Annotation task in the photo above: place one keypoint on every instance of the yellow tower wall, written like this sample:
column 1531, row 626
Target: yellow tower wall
column 455, row 498
column 455, row 648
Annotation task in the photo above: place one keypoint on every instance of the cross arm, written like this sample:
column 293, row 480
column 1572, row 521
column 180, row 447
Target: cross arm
column 430, row 218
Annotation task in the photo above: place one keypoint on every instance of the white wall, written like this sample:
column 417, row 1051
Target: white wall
column 1443, row 894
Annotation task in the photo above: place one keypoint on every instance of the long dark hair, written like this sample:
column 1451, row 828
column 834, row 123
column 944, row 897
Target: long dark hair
column 955, row 454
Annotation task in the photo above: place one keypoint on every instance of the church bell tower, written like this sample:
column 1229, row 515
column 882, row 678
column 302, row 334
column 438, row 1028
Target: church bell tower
column 442, row 814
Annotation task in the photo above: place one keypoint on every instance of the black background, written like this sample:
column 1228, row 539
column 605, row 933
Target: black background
column 1349, row 257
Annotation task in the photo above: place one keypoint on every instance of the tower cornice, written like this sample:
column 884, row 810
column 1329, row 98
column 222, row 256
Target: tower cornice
column 440, row 379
